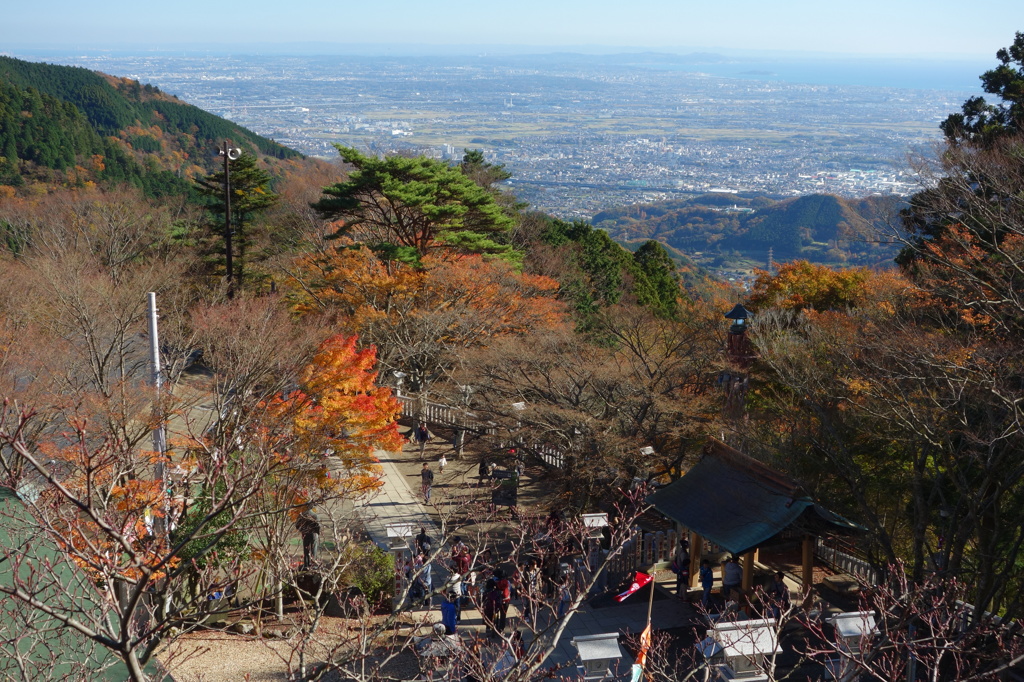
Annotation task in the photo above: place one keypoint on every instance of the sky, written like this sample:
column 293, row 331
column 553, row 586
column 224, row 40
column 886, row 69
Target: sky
column 908, row 28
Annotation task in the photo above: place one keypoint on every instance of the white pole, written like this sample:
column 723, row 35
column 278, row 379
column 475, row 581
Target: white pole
column 159, row 445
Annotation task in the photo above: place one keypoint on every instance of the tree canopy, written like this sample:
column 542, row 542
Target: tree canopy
column 250, row 195
column 981, row 122
column 406, row 208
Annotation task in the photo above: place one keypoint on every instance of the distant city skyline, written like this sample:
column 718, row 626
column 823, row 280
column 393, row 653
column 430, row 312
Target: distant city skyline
column 870, row 28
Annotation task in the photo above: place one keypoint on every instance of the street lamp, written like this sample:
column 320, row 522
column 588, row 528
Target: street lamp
column 519, row 409
column 460, row 432
column 737, row 340
column 230, row 154
column 739, row 316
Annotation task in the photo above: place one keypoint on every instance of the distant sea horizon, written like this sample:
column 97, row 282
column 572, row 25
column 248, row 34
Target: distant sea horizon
column 955, row 75
column 944, row 75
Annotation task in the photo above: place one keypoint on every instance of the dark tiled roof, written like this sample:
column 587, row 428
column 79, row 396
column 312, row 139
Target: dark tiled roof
column 739, row 503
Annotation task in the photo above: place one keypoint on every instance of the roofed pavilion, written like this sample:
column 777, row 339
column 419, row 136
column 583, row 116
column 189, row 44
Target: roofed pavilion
column 741, row 504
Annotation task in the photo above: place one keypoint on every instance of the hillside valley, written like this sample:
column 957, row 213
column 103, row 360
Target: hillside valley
column 737, row 231
column 69, row 126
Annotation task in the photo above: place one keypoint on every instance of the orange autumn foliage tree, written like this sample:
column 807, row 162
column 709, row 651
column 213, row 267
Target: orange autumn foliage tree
column 422, row 319
column 354, row 283
column 113, row 536
column 341, row 412
column 503, row 300
column 801, row 285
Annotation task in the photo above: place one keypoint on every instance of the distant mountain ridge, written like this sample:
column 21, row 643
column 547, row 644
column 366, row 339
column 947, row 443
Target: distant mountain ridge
column 818, row 227
column 68, row 125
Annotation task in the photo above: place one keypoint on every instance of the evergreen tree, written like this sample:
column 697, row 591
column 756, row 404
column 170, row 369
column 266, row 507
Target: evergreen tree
column 981, row 122
column 483, row 173
column 405, row 208
column 979, row 192
column 659, row 288
column 250, row 196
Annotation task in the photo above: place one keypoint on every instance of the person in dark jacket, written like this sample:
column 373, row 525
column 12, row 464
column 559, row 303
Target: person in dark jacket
column 427, row 479
column 707, row 581
column 308, row 525
column 681, row 562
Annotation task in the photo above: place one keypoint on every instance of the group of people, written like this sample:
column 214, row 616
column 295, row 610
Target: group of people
column 419, row 570
column 489, row 586
column 776, row 593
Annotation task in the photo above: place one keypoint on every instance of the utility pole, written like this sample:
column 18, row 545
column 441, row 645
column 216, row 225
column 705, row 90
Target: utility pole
column 230, row 154
column 159, row 438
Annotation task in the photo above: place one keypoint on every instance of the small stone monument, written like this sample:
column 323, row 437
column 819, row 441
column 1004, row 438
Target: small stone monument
column 597, row 653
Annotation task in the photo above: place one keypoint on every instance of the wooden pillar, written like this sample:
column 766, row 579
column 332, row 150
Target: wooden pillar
column 748, row 571
column 808, row 564
column 696, row 554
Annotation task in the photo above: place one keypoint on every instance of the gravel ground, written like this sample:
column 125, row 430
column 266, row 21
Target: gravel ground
column 221, row 656
column 216, row 656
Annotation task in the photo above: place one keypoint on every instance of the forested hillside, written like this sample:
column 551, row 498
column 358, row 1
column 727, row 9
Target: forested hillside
column 819, row 228
column 68, row 126
column 895, row 397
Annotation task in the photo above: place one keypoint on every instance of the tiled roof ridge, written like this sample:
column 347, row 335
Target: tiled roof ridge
column 754, row 468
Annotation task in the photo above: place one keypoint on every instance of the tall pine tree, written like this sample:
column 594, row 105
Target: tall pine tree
column 250, row 195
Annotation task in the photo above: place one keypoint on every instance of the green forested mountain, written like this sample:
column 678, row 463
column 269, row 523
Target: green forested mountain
column 594, row 272
column 819, row 227
column 69, row 126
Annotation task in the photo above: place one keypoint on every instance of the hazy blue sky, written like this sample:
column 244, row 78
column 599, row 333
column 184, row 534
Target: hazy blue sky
column 927, row 28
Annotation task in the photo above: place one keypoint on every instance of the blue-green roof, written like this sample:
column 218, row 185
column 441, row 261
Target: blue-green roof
column 739, row 503
column 45, row 648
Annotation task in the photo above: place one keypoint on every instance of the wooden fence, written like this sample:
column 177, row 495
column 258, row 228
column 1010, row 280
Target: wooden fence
column 846, row 562
column 458, row 418
column 442, row 415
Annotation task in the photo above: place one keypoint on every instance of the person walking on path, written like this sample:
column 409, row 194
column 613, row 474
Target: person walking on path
column 531, row 591
column 483, row 472
column 441, row 464
column 489, row 610
column 426, row 580
column 308, row 525
column 427, row 478
column 461, row 557
column 502, row 600
column 707, row 581
column 732, row 576
column 564, row 596
column 421, row 435
column 423, row 541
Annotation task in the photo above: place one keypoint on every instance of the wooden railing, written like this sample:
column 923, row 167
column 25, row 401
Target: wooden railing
column 846, row 562
column 453, row 417
column 442, row 415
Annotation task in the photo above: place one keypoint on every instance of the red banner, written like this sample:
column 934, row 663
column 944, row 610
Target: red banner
column 639, row 581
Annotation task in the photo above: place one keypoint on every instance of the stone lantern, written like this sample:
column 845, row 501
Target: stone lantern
column 597, row 653
column 742, row 650
column 401, row 553
column 853, row 629
column 738, row 345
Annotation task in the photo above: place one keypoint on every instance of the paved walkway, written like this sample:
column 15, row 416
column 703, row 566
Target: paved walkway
column 393, row 503
column 397, row 503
